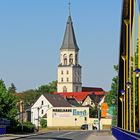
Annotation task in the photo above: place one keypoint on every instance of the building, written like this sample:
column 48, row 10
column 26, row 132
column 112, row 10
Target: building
column 80, row 96
column 69, row 69
column 93, row 100
column 67, row 116
column 44, row 103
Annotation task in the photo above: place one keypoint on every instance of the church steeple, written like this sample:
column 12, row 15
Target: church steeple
column 69, row 41
column 69, row 69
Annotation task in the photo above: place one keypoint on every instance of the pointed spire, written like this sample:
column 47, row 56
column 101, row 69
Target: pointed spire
column 69, row 8
column 69, row 41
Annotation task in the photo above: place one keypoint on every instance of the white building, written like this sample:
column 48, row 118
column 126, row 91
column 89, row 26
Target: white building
column 43, row 104
column 69, row 70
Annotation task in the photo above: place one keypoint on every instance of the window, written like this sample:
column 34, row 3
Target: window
column 67, row 72
column 64, row 89
column 42, row 103
column 61, row 79
column 62, row 72
column 71, row 59
column 67, row 79
column 76, row 88
column 65, row 59
column 42, row 111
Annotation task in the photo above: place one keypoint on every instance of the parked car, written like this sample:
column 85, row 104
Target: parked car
column 84, row 126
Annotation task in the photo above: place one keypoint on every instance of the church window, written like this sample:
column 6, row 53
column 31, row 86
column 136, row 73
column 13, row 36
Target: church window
column 64, row 89
column 61, row 79
column 71, row 59
column 76, row 88
column 67, row 79
column 65, row 59
column 67, row 72
column 61, row 72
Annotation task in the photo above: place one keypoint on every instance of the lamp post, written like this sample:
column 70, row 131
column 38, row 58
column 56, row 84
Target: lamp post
column 38, row 117
column 123, row 108
column 128, row 86
column 113, row 104
column 137, row 72
column 98, row 107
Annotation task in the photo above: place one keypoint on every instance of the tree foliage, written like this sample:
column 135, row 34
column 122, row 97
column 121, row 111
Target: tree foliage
column 48, row 88
column 112, row 94
column 12, row 88
column 8, row 102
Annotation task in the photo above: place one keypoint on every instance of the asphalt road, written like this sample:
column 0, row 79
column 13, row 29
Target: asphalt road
column 62, row 135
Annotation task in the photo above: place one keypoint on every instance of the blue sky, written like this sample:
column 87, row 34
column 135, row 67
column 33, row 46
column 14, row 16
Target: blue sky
column 31, row 34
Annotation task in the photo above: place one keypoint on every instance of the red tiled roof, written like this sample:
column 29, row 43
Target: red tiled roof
column 79, row 96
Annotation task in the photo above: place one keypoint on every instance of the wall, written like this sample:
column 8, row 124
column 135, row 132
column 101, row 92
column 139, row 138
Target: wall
column 72, row 116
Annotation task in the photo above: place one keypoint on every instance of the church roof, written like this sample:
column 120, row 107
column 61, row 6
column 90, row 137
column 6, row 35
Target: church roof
column 69, row 41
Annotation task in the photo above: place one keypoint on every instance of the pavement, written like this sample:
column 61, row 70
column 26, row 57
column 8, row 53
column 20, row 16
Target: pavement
column 92, row 136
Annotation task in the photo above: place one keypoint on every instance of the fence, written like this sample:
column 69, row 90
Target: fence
column 121, row 134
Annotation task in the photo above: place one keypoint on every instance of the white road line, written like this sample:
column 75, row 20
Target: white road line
column 65, row 134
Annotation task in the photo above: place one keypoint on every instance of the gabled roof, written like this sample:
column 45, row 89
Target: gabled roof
column 73, row 101
column 69, row 41
column 96, row 98
column 79, row 96
column 56, row 100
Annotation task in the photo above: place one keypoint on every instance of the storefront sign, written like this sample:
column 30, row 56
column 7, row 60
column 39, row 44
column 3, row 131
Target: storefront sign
column 79, row 113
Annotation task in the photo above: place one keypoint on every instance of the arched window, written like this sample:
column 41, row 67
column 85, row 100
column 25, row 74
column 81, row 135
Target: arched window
column 67, row 72
column 67, row 79
column 61, row 72
column 65, row 59
column 71, row 59
column 64, row 89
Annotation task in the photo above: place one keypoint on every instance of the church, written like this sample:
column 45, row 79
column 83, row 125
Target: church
column 69, row 69
column 69, row 81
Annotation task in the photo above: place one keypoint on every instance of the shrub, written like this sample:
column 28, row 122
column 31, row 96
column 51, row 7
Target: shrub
column 43, row 123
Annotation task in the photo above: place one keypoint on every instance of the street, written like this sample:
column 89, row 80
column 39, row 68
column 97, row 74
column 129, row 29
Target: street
column 71, row 135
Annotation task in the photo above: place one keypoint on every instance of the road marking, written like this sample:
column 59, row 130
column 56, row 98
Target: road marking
column 65, row 134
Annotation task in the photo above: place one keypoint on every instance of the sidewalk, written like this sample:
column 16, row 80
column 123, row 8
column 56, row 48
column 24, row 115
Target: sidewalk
column 18, row 136
column 101, row 137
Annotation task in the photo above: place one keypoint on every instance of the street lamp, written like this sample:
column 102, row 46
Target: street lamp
column 123, row 107
column 128, row 86
column 137, row 72
column 98, row 107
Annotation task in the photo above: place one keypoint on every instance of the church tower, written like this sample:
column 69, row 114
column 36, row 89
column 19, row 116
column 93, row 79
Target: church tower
column 69, row 70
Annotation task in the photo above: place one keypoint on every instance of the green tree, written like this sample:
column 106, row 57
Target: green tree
column 49, row 88
column 8, row 102
column 112, row 95
column 12, row 88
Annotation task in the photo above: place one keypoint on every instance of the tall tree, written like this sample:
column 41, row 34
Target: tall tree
column 8, row 107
